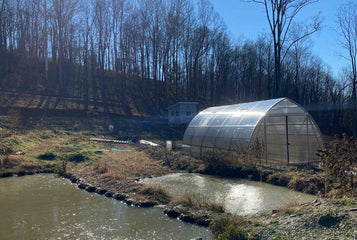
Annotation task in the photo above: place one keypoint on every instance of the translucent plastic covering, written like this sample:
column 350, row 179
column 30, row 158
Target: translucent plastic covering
column 285, row 132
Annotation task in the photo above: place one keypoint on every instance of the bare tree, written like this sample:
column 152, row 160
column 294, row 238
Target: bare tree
column 347, row 23
column 280, row 15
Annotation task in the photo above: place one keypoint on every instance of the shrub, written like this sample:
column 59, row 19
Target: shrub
column 284, row 180
column 221, row 224
column 157, row 192
column 216, row 207
column 9, row 145
column 264, row 174
column 297, row 183
column 289, row 207
column 339, row 162
column 172, row 159
column 77, row 157
column 233, row 233
column 273, row 179
column 47, row 156
column 188, row 199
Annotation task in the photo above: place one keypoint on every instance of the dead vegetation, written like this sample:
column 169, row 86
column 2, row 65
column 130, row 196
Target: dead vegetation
column 121, row 165
column 339, row 164
column 156, row 192
column 190, row 199
column 289, row 207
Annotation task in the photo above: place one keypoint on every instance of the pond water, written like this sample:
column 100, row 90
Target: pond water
column 47, row 207
column 238, row 196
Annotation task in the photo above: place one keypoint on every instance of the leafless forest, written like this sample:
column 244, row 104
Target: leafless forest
column 147, row 54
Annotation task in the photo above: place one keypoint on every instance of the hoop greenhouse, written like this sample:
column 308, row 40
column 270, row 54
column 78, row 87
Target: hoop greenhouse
column 285, row 130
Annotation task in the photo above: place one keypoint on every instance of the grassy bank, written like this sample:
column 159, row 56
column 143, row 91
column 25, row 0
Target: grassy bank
column 64, row 146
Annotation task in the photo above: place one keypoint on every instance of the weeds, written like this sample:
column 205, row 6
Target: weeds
column 224, row 223
column 172, row 159
column 339, row 163
column 297, row 183
column 11, row 160
column 9, row 145
column 289, row 207
column 190, row 199
column 157, row 192
column 233, row 233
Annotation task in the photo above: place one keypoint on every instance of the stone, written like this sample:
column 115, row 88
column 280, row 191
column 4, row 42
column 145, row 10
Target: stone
column 203, row 221
column 73, row 179
column 100, row 191
column 90, row 188
column 187, row 218
column 82, row 185
column 172, row 212
column 119, row 197
column 145, row 204
column 109, row 194
column 129, row 201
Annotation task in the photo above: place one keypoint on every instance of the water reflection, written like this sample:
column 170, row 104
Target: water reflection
column 46, row 207
column 239, row 196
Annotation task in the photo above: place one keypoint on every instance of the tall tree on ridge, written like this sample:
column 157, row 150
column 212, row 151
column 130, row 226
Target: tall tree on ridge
column 347, row 23
column 280, row 15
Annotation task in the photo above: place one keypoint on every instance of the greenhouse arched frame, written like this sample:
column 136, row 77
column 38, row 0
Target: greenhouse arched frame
column 285, row 130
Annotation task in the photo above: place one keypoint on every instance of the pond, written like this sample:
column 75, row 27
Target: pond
column 47, row 207
column 237, row 195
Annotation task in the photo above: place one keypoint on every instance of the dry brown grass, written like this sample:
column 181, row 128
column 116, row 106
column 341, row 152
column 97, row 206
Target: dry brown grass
column 157, row 192
column 190, row 199
column 121, row 165
column 12, row 160
column 297, row 183
column 289, row 207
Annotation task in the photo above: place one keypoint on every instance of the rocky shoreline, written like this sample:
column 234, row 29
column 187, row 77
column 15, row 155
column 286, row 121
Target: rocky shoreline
column 185, row 214
column 321, row 219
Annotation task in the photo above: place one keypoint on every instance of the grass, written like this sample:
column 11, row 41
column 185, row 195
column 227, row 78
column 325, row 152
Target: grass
column 228, row 227
column 156, row 192
column 289, row 207
column 120, row 165
column 190, row 199
column 233, row 233
column 12, row 160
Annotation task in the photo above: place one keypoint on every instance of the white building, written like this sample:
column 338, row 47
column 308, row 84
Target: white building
column 182, row 112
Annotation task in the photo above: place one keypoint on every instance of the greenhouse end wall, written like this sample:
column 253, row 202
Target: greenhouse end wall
column 286, row 133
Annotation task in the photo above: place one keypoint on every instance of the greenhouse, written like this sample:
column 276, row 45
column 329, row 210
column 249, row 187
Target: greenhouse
column 281, row 128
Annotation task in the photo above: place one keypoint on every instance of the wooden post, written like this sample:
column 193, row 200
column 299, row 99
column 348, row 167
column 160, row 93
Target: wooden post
column 265, row 141
column 307, row 140
column 287, row 138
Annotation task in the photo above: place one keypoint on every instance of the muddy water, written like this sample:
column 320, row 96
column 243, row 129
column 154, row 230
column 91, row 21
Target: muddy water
column 239, row 196
column 47, row 207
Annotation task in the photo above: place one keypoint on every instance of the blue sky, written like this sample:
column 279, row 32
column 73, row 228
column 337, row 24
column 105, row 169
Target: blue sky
column 248, row 20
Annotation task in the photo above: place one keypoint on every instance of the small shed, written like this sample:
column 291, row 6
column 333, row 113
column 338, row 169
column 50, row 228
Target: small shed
column 285, row 131
column 182, row 112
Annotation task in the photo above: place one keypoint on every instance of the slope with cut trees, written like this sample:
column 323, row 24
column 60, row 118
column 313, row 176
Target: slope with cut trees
column 136, row 58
